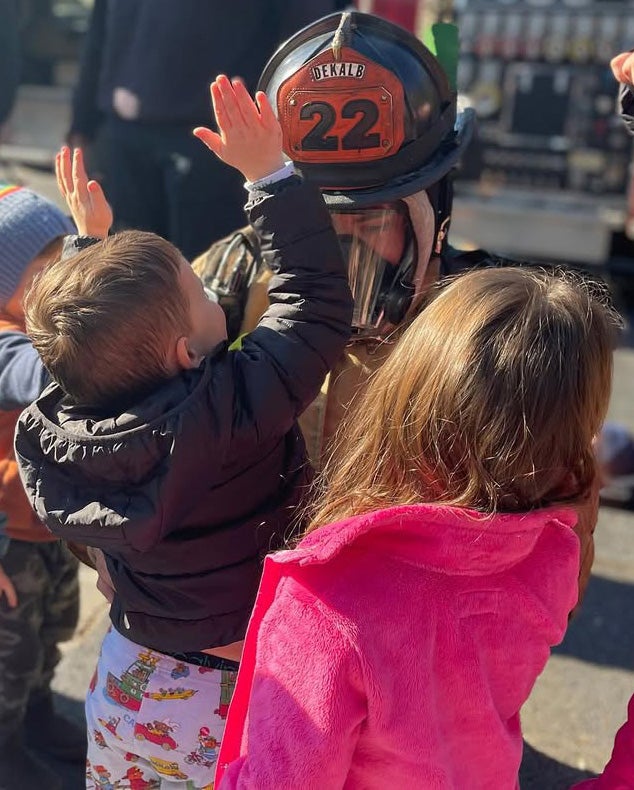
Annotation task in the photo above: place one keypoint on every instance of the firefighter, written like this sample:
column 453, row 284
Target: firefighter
column 367, row 113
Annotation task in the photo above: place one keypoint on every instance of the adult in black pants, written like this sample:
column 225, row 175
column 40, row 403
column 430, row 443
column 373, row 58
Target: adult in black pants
column 144, row 82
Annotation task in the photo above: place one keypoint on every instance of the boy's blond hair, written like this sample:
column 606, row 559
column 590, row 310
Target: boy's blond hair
column 491, row 400
column 103, row 320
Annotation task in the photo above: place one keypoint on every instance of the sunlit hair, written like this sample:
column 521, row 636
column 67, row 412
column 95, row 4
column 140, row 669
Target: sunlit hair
column 490, row 400
column 102, row 321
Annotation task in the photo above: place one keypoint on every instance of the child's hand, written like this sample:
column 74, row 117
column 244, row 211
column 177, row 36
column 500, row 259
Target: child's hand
column 84, row 198
column 623, row 68
column 7, row 588
column 250, row 137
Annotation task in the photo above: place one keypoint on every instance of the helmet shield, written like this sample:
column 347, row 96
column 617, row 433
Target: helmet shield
column 379, row 246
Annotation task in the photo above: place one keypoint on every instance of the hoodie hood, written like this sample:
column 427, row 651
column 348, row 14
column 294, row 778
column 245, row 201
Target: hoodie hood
column 436, row 537
column 108, row 471
column 121, row 448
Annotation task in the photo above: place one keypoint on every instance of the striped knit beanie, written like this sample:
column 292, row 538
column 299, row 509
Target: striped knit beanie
column 28, row 223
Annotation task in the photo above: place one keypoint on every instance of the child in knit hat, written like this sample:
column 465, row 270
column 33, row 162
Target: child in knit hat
column 39, row 594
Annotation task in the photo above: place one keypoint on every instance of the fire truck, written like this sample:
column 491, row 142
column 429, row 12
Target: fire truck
column 547, row 176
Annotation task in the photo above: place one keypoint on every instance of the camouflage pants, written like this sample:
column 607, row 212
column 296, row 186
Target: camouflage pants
column 45, row 579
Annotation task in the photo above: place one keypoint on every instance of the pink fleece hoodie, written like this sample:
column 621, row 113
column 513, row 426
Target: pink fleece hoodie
column 395, row 650
column 618, row 774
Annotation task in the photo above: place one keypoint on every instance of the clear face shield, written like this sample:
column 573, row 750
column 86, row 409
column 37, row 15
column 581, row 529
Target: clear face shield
column 379, row 247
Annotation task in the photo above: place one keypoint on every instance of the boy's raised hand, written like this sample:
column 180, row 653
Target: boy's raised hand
column 250, row 136
column 85, row 199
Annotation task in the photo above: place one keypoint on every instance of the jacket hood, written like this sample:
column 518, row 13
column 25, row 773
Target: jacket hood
column 94, row 447
column 437, row 537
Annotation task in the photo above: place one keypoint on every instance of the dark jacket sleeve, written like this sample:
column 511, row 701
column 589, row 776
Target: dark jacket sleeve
column 86, row 116
column 284, row 360
column 9, row 57
column 75, row 244
column 626, row 101
column 22, row 374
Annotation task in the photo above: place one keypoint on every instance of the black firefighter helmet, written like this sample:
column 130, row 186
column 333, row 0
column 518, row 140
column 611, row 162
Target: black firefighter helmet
column 366, row 109
column 368, row 114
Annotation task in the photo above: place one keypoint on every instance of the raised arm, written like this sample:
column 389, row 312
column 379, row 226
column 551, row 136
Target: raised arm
column 283, row 362
column 84, row 197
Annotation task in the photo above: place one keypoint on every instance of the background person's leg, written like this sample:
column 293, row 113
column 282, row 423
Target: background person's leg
column 21, row 662
column 134, row 180
column 205, row 197
column 46, row 730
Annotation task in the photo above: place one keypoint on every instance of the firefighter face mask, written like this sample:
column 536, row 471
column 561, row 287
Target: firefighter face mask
column 380, row 251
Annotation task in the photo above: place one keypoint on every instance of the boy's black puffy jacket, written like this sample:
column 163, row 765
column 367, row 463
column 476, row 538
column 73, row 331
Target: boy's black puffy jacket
column 187, row 490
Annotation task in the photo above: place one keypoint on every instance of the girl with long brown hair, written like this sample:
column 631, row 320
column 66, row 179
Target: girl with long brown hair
column 395, row 646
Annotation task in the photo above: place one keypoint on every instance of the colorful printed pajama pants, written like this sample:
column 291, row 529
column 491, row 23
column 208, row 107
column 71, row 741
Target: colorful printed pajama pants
column 154, row 721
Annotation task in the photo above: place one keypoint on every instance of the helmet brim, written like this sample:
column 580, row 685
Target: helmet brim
column 446, row 158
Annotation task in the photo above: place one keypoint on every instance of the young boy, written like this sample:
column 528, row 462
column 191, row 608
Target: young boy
column 181, row 460
column 39, row 575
